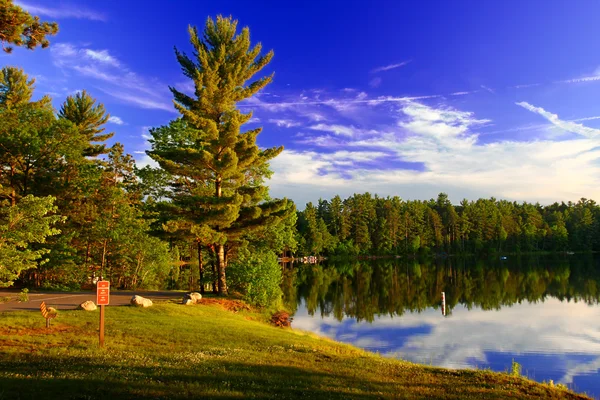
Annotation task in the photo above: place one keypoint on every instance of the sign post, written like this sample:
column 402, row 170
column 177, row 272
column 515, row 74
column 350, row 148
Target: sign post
column 102, row 299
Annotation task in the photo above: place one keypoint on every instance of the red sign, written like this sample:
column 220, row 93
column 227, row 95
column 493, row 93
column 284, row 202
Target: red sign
column 102, row 293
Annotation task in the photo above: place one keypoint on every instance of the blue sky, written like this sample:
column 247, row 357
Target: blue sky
column 471, row 98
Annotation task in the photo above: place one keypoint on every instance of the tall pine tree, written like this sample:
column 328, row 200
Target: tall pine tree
column 220, row 170
column 89, row 119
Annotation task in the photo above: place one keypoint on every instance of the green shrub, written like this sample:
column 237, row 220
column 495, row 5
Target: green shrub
column 24, row 296
column 515, row 368
column 257, row 276
column 60, row 286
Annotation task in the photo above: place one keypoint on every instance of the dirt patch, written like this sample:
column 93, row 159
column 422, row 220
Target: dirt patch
column 229, row 305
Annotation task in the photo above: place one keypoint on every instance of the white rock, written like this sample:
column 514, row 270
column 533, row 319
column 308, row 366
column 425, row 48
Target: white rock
column 191, row 298
column 140, row 301
column 88, row 306
column 195, row 296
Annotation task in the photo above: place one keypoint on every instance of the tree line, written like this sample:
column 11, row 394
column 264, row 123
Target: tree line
column 371, row 225
column 73, row 207
column 366, row 290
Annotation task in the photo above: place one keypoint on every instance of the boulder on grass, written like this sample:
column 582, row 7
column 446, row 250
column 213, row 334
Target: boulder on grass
column 88, row 306
column 140, row 301
column 191, row 298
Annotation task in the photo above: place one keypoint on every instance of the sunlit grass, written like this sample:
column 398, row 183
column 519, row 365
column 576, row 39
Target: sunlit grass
column 171, row 351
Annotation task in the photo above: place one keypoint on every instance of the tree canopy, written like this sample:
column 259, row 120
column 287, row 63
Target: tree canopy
column 19, row 28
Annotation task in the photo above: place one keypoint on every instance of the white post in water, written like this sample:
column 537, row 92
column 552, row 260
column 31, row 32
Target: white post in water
column 444, row 304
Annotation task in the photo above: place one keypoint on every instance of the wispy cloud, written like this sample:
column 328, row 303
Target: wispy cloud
column 593, row 78
column 390, row 67
column 375, row 82
column 488, row 89
column 336, row 129
column 444, row 143
column 115, row 120
column 102, row 56
column 60, row 11
column 527, row 85
column 568, row 126
column 140, row 100
column 113, row 76
column 285, row 123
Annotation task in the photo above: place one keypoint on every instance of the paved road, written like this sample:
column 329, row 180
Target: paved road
column 71, row 300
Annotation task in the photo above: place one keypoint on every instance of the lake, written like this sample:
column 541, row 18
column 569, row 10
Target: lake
column 542, row 312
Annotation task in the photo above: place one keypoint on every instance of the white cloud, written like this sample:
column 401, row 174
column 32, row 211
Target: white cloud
column 116, row 79
column 102, row 56
column 525, row 85
column 116, row 120
column 389, row 67
column 568, row 126
column 443, row 149
column 586, row 119
column 284, row 123
column 60, row 11
column 145, row 160
column 361, row 96
column 582, row 79
column 141, row 100
column 462, row 93
column 336, row 129
column 488, row 89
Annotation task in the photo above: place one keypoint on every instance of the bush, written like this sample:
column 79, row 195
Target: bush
column 24, row 295
column 515, row 369
column 60, row 287
column 257, row 276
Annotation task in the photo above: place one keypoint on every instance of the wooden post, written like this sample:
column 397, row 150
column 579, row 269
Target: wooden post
column 102, row 299
column 101, row 326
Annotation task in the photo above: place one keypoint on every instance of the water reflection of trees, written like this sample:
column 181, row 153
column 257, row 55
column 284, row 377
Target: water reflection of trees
column 366, row 289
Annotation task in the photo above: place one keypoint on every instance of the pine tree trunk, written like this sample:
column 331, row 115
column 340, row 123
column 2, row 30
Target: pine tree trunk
column 221, row 265
column 214, row 269
column 103, row 258
column 214, row 274
column 200, row 269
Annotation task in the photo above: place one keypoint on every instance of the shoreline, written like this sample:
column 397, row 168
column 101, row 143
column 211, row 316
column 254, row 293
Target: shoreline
column 176, row 351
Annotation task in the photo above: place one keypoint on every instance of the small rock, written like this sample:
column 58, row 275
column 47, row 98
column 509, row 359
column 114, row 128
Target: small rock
column 191, row 298
column 52, row 312
column 140, row 301
column 88, row 306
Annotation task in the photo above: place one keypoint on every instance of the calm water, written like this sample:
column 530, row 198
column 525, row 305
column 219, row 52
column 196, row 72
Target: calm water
column 543, row 312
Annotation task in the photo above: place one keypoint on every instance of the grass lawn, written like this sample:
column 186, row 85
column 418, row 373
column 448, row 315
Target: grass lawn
column 170, row 351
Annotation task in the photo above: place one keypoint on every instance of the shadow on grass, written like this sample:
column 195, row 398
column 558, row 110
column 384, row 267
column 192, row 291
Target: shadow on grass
column 127, row 375
column 76, row 378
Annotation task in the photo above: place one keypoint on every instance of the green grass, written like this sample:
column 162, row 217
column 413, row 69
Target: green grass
column 171, row 351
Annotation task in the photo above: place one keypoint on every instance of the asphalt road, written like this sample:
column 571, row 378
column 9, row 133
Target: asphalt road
column 71, row 300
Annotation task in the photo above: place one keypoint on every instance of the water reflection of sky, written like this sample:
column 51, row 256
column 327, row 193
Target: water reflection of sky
column 551, row 340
